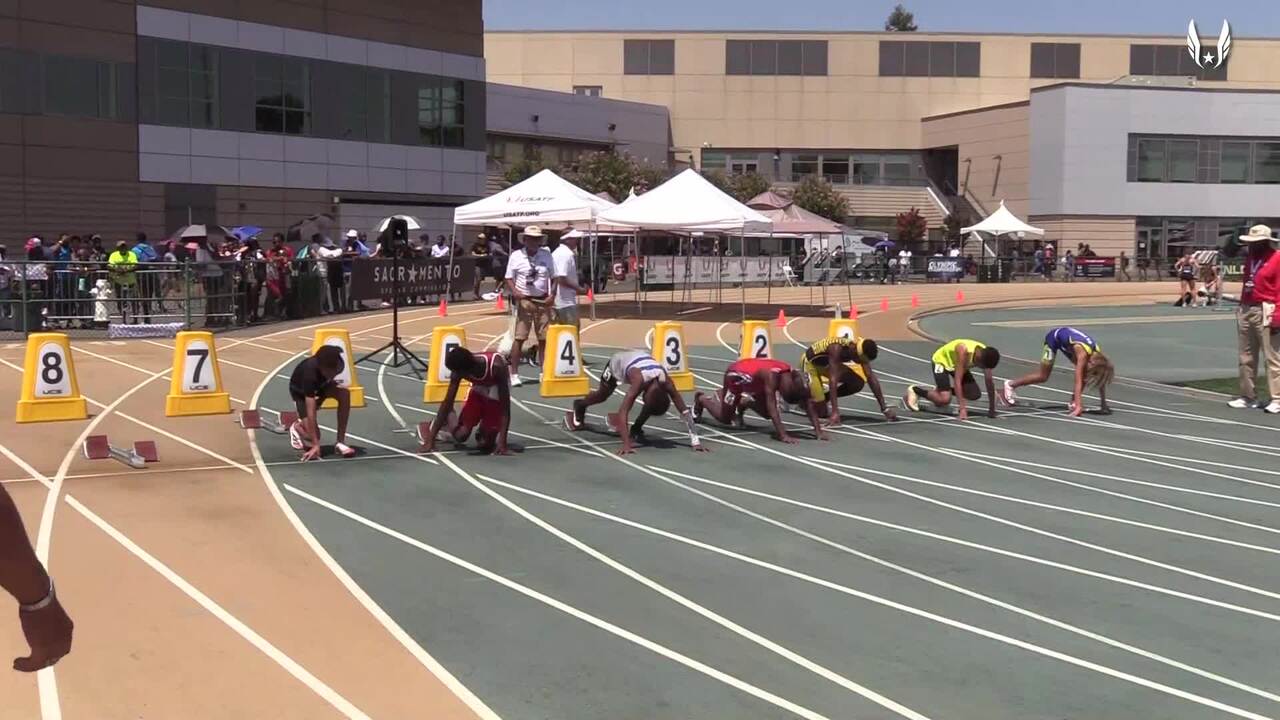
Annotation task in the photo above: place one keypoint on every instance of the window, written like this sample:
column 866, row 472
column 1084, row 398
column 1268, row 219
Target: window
column 377, row 90
column 802, row 165
column 1170, row 60
column 282, row 95
column 1055, row 60
column 835, row 168
column 712, row 160
column 451, row 112
column 648, row 57
column 429, row 131
column 80, row 87
column 1183, row 155
column 742, row 166
column 775, row 57
column 440, row 112
column 1151, row 160
column 1266, row 162
column 866, row 169
column 186, row 84
column 929, row 59
column 897, row 168
column 588, row 90
column 1234, row 164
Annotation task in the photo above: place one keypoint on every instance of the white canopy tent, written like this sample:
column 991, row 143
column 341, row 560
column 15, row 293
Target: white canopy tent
column 544, row 199
column 1001, row 222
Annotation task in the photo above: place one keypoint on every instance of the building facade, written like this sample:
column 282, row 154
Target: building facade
column 885, row 116
column 121, row 116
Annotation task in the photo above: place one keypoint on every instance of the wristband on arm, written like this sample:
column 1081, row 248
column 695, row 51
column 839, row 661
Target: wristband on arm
column 40, row 604
column 693, row 430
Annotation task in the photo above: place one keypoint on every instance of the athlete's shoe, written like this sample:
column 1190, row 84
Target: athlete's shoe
column 571, row 422
column 295, row 436
column 516, row 380
column 1240, row 404
column 1273, row 407
column 344, row 450
column 697, row 406
column 911, row 401
column 1007, row 395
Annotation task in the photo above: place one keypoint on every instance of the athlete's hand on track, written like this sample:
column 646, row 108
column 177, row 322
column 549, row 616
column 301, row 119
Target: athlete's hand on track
column 991, row 413
column 833, row 420
column 626, row 449
column 312, row 453
column 701, row 448
column 788, row 439
column 1104, row 410
column 48, row 633
column 963, row 414
column 890, row 414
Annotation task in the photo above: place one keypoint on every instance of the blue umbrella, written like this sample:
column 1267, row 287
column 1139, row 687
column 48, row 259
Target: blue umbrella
column 884, row 245
column 245, row 232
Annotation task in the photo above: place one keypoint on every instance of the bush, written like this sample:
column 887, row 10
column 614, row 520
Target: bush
column 816, row 195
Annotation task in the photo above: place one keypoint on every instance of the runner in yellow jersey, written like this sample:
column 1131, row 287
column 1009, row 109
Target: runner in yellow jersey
column 951, row 364
column 828, row 357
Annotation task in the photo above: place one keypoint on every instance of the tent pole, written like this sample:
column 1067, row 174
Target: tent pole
column 808, row 257
column 448, row 282
column 844, row 262
column 768, row 297
column 591, row 275
column 742, row 267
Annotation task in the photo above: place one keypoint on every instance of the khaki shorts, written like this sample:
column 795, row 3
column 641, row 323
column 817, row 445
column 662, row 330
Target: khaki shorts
column 568, row 316
column 530, row 313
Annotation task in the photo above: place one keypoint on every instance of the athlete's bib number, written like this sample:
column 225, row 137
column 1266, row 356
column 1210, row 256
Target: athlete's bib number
column 52, row 379
column 342, row 379
column 566, row 356
column 197, row 372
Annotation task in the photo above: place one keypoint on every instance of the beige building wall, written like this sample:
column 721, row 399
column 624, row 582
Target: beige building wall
column 1105, row 235
column 850, row 107
column 993, row 152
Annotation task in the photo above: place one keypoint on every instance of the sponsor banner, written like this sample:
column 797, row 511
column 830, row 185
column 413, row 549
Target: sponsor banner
column 944, row 268
column 371, row 278
column 672, row 269
column 1095, row 267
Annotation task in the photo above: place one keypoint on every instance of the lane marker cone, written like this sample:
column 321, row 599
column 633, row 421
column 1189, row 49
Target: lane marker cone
column 915, row 300
column 853, row 312
column 959, row 296
column 591, row 294
column 502, row 305
column 884, row 304
column 782, row 318
column 444, row 308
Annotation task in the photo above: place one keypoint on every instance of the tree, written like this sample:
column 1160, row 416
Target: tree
column 911, row 227
column 900, row 20
column 614, row 173
column 719, row 179
column 745, row 186
column 816, row 195
column 524, row 168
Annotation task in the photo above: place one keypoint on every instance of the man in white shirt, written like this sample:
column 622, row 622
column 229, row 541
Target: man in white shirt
column 564, row 273
column 440, row 249
column 904, row 263
column 529, row 281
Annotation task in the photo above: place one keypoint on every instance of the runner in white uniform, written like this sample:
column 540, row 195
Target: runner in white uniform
column 642, row 374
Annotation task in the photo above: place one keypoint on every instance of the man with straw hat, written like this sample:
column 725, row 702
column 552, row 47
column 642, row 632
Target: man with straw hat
column 1255, row 316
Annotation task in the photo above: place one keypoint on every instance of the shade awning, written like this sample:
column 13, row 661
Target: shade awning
column 1002, row 222
column 544, row 198
column 787, row 217
column 687, row 202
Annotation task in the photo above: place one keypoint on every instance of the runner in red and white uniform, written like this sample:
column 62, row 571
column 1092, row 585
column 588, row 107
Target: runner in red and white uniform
column 488, row 405
column 756, row 383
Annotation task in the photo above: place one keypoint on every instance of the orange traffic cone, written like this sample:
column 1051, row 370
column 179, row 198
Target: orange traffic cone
column 884, row 304
column 915, row 300
column 591, row 294
column 959, row 296
column 782, row 318
column 853, row 312
column 444, row 308
column 502, row 304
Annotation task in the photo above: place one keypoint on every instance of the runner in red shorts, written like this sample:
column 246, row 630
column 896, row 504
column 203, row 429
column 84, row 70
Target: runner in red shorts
column 488, row 406
column 755, row 383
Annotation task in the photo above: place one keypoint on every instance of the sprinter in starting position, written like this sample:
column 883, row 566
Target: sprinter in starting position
column 844, row 365
column 951, row 364
column 1091, row 368
column 312, row 382
column 488, row 406
column 643, row 376
column 756, row 384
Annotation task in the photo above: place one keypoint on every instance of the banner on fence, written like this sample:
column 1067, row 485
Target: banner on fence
column 941, row 268
column 1095, row 267
column 669, row 269
column 371, row 278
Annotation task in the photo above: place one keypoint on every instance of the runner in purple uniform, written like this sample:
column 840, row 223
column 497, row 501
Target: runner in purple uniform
column 1092, row 368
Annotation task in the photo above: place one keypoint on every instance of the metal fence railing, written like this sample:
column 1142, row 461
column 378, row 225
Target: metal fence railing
column 94, row 299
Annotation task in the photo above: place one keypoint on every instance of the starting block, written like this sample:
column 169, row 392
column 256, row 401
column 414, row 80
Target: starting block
column 253, row 420
column 99, row 447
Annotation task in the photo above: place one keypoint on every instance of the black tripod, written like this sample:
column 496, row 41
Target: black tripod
column 400, row 355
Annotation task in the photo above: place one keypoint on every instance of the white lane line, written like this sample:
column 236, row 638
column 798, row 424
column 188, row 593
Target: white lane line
column 978, row 546
column 1083, row 486
column 648, row 339
column 1081, row 322
column 720, row 339
column 695, row 310
column 393, row 628
column 1195, row 461
column 1229, row 444
column 32, row 473
column 339, row 703
column 688, row 604
column 894, row 566
column 1117, row 478
column 565, row 608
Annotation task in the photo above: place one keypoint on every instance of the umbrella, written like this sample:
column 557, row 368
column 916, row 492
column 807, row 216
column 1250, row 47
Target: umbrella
column 409, row 220
column 320, row 224
column 199, row 231
column 884, row 245
column 244, row 233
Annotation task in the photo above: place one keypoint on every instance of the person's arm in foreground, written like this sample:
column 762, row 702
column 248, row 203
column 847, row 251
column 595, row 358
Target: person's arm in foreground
column 313, row 428
column 442, row 413
column 685, row 415
column 989, row 376
column 504, row 397
column 834, row 354
column 771, row 404
column 1077, row 390
column 624, row 412
column 811, row 409
column 957, row 387
column 45, row 624
column 874, row 382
